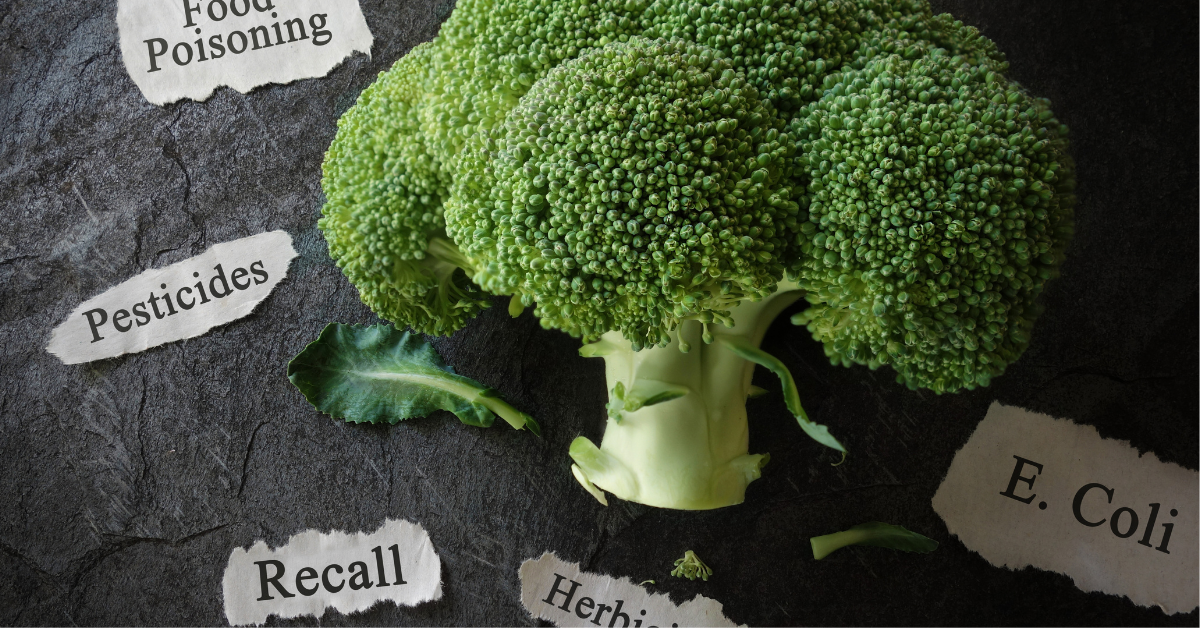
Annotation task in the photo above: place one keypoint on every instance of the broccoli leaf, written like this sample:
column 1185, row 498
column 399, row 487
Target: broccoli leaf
column 379, row 374
column 643, row 393
column 791, row 395
column 876, row 534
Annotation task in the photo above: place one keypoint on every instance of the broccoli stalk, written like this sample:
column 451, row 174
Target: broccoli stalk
column 677, row 435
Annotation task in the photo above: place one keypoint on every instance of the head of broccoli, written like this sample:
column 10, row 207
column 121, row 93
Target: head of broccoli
column 661, row 179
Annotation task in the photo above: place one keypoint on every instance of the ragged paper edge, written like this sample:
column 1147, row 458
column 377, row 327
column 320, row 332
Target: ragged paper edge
column 65, row 354
column 235, row 80
column 1084, row 429
column 703, row 607
column 356, row 538
column 246, row 89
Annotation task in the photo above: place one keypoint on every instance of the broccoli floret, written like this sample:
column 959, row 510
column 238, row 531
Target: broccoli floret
column 661, row 178
column 691, row 567
column 940, row 202
column 383, row 214
column 389, row 171
column 641, row 184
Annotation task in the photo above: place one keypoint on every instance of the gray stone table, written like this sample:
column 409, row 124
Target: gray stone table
column 127, row 482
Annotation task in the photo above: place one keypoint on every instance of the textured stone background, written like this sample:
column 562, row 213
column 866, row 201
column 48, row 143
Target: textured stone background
column 127, row 482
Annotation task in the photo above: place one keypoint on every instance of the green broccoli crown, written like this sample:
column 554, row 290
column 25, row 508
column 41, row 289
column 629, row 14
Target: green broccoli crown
column 583, row 158
column 940, row 203
column 640, row 184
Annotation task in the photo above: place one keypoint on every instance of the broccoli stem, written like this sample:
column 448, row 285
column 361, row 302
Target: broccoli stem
column 823, row 546
column 677, row 435
column 491, row 400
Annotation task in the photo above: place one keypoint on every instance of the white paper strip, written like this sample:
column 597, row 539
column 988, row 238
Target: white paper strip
column 315, row 571
column 559, row 592
column 1029, row 489
column 175, row 49
column 180, row 301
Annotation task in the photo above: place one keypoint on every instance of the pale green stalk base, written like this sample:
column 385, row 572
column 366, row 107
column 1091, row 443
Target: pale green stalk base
column 691, row 451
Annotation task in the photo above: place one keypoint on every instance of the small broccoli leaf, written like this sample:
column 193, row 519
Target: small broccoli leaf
column 791, row 395
column 378, row 374
column 876, row 534
column 598, row 349
column 533, row 426
column 649, row 392
column 819, row 433
column 642, row 393
column 616, row 402
column 664, row 396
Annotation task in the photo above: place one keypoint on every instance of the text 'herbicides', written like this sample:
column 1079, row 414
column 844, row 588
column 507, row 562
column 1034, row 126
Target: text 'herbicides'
column 560, row 592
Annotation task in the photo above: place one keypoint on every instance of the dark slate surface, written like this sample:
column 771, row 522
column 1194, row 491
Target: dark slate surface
column 127, row 482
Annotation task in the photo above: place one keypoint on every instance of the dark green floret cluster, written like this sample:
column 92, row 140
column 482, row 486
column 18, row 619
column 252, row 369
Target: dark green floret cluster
column 632, row 165
column 940, row 200
column 640, row 184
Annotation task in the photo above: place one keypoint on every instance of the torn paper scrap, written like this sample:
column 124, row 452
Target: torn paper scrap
column 1029, row 489
column 559, row 592
column 180, row 301
column 315, row 571
column 188, row 48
